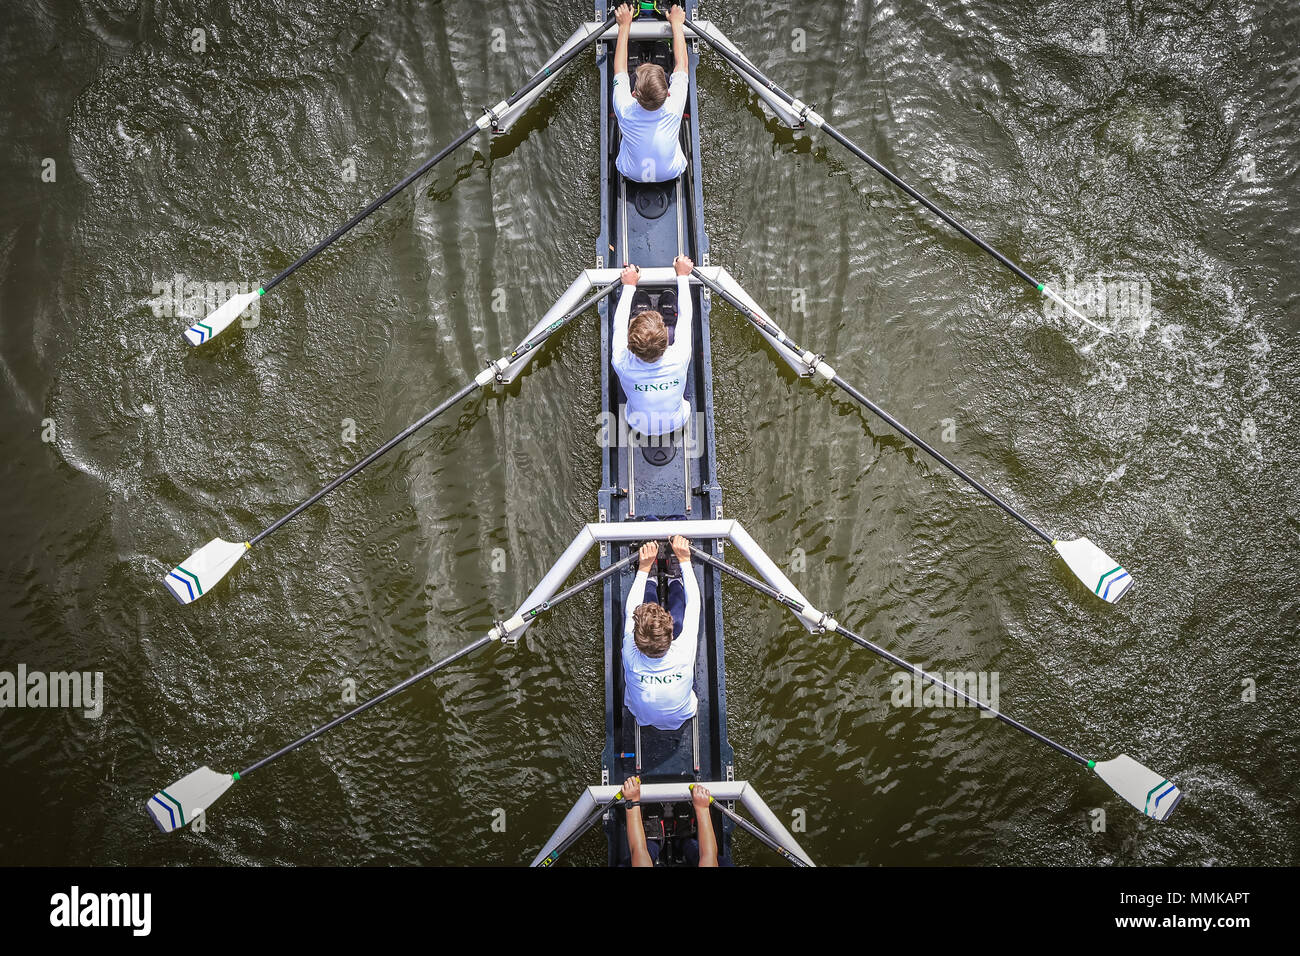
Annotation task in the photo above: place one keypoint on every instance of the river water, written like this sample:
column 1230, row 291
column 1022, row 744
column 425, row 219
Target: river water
column 1140, row 156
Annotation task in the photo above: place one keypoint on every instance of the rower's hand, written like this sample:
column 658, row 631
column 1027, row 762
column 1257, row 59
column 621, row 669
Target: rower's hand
column 676, row 14
column 683, row 264
column 632, row 788
column 699, row 796
column 631, row 275
column 649, row 554
column 681, row 548
column 624, row 15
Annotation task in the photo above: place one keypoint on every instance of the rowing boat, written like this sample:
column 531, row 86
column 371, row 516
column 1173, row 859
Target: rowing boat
column 654, row 489
column 650, row 224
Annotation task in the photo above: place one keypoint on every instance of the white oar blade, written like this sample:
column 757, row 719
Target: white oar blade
column 179, row 804
column 1151, row 793
column 1095, row 568
column 195, row 576
column 218, row 321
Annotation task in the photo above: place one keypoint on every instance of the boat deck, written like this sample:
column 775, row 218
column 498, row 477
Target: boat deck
column 649, row 224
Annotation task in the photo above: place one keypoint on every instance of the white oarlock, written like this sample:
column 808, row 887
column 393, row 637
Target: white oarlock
column 220, row 320
column 1099, row 572
column 508, row 631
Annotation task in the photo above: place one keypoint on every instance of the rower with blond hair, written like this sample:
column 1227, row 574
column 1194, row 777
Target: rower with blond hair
column 653, row 372
column 650, row 116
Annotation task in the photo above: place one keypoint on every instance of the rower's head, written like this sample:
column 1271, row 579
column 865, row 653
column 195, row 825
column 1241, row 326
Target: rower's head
column 652, row 629
column 647, row 336
column 651, row 86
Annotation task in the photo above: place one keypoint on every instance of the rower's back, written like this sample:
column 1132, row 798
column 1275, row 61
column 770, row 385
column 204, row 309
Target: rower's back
column 649, row 122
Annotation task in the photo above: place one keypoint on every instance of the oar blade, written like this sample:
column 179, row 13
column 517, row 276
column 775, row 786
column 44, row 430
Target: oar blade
column 195, row 576
column 220, row 320
column 179, row 804
column 1103, row 575
column 1151, row 793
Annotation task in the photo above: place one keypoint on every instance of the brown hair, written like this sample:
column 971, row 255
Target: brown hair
column 651, row 86
column 653, row 630
column 647, row 336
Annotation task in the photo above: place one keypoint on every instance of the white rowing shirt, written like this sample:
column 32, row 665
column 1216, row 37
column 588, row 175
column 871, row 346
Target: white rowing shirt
column 656, row 391
column 660, row 691
column 650, row 151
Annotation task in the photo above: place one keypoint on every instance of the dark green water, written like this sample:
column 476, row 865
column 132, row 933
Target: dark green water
column 1157, row 155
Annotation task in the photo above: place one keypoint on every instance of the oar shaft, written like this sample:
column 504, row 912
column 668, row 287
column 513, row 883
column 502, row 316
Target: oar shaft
column 564, row 595
column 576, row 835
column 790, row 602
column 861, row 154
column 974, row 701
column 338, row 233
column 765, row 325
column 395, row 689
column 416, row 678
column 407, row 432
column 757, row 833
column 538, row 78
column 929, row 449
column 378, row 453
column 529, row 344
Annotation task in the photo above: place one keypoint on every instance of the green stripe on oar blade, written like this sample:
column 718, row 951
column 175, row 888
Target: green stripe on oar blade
column 1102, row 574
column 196, row 575
column 1147, row 790
column 220, row 320
column 180, row 803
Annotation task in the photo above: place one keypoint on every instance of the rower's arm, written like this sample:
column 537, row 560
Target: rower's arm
column 622, row 315
column 684, row 337
column 680, row 62
column 636, row 840
column 620, row 48
column 708, row 841
column 635, row 598
column 691, row 614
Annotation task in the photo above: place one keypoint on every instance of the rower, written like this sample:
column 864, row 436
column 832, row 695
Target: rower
column 650, row 116
column 654, row 372
column 659, row 643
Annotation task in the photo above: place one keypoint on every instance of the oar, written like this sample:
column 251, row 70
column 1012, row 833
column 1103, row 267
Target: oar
column 1145, row 789
column 816, row 120
column 1100, row 573
column 178, row 804
column 196, row 575
column 215, row 323
column 582, row 828
column 754, row 831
